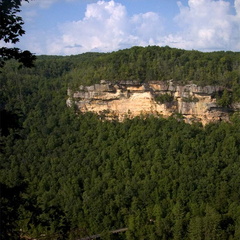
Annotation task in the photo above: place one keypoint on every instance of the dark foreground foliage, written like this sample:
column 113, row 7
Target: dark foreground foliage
column 75, row 176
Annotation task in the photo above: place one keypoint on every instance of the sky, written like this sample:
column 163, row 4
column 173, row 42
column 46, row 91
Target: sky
column 69, row 27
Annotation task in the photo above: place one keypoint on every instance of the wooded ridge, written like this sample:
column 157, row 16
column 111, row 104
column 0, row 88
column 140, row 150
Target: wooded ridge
column 160, row 178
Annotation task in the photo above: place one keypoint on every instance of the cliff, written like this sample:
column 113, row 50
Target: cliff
column 128, row 99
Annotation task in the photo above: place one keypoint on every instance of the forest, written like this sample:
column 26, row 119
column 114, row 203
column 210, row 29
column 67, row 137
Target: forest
column 67, row 175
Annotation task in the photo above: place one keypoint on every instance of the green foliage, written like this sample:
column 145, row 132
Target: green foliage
column 158, row 63
column 160, row 178
column 11, row 200
column 164, row 98
column 225, row 99
column 190, row 99
column 10, row 31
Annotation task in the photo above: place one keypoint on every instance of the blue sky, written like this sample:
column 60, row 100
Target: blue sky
column 66, row 27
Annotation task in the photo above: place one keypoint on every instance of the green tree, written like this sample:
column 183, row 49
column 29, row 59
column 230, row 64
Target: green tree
column 10, row 31
column 225, row 100
column 11, row 200
column 196, row 228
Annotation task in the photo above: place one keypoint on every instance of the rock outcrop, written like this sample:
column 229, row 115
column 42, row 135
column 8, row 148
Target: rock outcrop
column 128, row 99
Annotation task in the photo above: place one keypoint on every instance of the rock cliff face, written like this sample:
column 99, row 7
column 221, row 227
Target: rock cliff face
column 128, row 99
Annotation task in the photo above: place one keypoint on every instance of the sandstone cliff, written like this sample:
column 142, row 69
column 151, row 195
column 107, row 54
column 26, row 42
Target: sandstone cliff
column 128, row 99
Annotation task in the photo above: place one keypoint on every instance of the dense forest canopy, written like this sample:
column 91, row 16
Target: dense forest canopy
column 67, row 176
column 159, row 63
column 147, row 64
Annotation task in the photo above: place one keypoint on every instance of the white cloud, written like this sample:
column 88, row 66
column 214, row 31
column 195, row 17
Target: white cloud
column 147, row 26
column 205, row 25
column 208, row 25
column 107, row 27
column 237, row 7
column 102, row 28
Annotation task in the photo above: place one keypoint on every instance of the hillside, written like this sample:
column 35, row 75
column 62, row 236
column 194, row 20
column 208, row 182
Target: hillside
column 158, row 63
column 68, row 176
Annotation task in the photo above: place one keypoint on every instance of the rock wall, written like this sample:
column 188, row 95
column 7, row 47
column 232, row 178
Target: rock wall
column 128, row 99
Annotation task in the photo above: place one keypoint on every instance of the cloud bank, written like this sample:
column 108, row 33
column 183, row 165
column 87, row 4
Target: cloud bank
column 208, row 25
column 205, row 25
column 107, row 27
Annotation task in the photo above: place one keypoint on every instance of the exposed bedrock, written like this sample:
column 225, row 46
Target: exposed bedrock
column 128, row 99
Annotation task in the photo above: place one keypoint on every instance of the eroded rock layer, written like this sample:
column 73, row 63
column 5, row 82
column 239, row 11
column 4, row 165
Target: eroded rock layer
column 128, row 99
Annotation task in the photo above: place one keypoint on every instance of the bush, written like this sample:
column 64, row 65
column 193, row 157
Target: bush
column 164, row 98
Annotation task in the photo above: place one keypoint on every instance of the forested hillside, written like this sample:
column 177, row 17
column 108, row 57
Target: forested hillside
column 65, row 175
column 159, row 63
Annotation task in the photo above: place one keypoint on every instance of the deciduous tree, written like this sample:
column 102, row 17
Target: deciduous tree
column 10, row 31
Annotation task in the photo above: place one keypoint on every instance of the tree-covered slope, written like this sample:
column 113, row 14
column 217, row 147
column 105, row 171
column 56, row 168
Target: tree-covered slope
column 147, row 64
column 161, row 63
column 70, row 176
